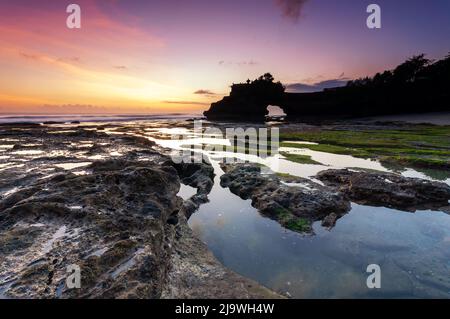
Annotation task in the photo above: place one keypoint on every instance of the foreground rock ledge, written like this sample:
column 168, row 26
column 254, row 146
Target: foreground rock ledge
column 122, row 224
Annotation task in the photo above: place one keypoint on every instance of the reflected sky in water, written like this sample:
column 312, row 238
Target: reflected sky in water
column 413, row 250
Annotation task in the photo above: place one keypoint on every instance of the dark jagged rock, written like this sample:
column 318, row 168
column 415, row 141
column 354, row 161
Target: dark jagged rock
column 386, row 189
column 330, row 220
column 295, row 207
column 78, row 214
column 199, row 176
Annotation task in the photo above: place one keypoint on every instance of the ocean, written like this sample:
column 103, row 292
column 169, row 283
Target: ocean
column 64, row 118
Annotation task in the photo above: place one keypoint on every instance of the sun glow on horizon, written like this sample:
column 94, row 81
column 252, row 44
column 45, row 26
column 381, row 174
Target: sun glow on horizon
column 103, row 67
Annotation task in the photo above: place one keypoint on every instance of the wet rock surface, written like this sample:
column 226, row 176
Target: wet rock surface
column 106, row 203
column 295, row 205
column 388, row 190
column 199, row 176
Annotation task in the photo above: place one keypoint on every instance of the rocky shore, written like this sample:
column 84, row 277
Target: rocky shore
column 297, row 202
column 108, row 204
column 105, row 199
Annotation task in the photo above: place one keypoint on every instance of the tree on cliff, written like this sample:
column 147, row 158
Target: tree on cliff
column 262, row 89
column 266, row 77
column 416, row 85
column 410, row 71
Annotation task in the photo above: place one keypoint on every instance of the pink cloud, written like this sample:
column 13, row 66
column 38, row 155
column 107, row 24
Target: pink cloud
column 35, row 30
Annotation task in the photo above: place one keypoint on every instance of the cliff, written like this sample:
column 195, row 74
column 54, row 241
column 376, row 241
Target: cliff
column 418, row 85
column 248, row 101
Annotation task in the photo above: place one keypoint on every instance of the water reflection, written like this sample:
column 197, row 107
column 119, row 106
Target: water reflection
column 412, row 250
column 69, row 166
column 186, row 191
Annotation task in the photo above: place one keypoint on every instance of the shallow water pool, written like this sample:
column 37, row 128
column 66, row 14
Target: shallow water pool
column 412, row 249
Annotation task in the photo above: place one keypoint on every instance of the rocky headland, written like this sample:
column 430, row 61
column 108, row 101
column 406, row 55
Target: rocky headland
column 418, row 85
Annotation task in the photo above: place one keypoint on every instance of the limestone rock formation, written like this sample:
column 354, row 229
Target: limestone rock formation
column 295, row 205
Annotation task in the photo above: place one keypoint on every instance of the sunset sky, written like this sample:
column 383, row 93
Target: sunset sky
column 139, row 56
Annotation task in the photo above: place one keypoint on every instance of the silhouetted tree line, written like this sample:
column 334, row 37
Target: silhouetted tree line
column 417, row 85
column 417, row 71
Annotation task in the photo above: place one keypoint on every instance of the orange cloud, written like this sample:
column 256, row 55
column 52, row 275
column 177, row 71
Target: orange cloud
column 44, row 62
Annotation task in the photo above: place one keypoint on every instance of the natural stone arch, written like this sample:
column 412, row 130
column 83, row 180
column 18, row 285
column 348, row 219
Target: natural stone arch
column 275, row 111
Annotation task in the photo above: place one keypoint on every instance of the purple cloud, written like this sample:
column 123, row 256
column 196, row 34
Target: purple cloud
column 317, row 87
column 291, row 9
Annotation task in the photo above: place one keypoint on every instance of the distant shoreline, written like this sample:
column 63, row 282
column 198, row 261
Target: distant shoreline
column 437, row 118
column 40, row 118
